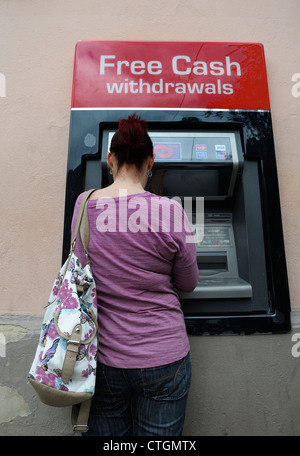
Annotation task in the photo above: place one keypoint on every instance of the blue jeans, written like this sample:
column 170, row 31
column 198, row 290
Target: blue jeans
column 138, row 402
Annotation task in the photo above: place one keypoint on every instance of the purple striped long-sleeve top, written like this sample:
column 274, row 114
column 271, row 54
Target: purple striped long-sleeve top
column 141, row 248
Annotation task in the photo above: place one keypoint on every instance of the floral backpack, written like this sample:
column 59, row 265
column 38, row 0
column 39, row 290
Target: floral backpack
column 63, row 372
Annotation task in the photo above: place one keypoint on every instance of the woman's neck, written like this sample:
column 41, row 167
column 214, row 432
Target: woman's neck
column 128, row 177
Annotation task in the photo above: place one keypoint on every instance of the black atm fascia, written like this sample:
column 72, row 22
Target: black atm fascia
column 268, row 310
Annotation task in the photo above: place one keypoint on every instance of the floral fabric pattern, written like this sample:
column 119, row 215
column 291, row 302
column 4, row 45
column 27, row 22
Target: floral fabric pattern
column 72, row 302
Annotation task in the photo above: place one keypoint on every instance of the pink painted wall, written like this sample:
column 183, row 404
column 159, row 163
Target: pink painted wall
column 36, row 65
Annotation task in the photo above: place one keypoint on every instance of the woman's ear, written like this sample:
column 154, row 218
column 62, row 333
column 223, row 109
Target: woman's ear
column 150, row 162
column 109, row 160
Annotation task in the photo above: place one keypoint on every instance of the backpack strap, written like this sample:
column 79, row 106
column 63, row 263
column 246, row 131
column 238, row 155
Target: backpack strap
column 82, row 222
column 85, row 228
column 80, row 416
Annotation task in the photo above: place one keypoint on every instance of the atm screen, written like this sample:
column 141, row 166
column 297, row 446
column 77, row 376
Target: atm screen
column 190, row 164
column 185, row 182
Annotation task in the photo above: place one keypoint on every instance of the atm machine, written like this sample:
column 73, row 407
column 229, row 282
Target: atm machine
column 212, row 166
column 213, row 153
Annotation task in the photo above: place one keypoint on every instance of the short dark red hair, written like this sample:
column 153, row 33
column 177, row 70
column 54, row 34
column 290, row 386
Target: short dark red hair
column 131, row 143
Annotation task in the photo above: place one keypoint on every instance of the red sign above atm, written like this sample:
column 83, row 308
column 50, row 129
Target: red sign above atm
column 182, row 75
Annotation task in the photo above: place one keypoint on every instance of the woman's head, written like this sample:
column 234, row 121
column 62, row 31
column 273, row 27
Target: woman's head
column 131, row 143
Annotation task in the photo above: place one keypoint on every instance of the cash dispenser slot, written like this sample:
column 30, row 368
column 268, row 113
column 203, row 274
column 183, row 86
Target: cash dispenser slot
column 210, row 263
column 220, row 288
column 218, row 269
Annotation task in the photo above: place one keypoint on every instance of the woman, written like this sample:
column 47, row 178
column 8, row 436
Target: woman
column 138, row 256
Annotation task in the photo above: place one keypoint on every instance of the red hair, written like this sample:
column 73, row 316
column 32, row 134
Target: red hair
column 131, row 143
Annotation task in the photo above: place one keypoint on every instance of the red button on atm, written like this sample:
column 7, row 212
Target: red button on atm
column 165, row 151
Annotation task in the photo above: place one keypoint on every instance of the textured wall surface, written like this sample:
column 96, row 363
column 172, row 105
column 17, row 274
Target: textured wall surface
column 36, row 57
